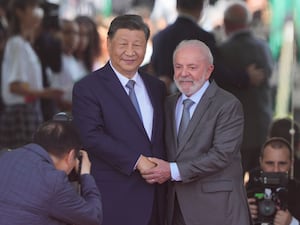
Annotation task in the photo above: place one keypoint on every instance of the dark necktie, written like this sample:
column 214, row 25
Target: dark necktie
column 185, row 118
column 130, row 85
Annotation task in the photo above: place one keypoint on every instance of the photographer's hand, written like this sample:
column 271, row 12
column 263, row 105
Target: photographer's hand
column 252, row 207
column 86, row 163
column 282, row 217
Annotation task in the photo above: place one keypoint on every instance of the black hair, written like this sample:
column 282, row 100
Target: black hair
column 4, row 3
column 277, row 143
column 51, row 15
column 93, row 49
column 128, row 21
column 58, row 137
column 189, row 4
column 13, row 5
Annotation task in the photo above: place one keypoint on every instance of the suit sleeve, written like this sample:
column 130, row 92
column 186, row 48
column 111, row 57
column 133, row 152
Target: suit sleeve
column 92, row 120
column 66, row 205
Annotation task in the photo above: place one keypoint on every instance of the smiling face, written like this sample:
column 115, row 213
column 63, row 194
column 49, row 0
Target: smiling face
column 192, row 68
column 127, row 50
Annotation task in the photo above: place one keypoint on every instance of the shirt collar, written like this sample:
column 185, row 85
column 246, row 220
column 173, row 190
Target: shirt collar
column 196, row 97
column 137, row 78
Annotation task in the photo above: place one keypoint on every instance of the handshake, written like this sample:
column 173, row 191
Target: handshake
column 154, row 170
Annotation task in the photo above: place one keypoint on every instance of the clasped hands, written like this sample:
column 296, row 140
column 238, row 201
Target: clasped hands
column 154, row 170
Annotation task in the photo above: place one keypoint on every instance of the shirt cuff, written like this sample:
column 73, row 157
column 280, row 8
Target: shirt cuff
column 294, row 221
column 175, row 175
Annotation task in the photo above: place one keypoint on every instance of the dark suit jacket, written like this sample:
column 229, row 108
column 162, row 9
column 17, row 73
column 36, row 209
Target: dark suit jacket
column 34, row 192
column 165, row 42
column 114, row 136
column 209, row 162
column 238, row 52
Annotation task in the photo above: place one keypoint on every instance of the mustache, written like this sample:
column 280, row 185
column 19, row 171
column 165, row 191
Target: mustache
column 184, row 80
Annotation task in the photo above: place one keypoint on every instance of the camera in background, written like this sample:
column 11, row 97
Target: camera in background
column 270, row 191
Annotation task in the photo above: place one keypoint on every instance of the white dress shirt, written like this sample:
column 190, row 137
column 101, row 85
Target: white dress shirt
column 142, row 97
column 175, row 174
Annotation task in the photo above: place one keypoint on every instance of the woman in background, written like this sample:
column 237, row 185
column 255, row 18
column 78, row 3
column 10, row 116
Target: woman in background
column 88, row 50
column 22, row 76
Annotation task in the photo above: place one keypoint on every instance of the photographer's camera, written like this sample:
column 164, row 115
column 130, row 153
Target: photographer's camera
column 270, row 191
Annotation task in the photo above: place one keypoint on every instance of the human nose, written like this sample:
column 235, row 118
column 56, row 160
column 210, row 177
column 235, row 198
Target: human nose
column 129, row 50
column 276, row 168
column 184, row 72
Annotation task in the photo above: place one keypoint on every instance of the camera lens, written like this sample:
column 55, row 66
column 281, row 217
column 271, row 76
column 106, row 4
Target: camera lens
column 266, row 207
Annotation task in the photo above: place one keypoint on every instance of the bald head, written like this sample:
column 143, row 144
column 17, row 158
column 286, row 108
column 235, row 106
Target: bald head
column 236, row 17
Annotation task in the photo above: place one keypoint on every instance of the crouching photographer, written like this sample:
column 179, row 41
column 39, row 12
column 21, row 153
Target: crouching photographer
column 274, row 198
column 35, row 188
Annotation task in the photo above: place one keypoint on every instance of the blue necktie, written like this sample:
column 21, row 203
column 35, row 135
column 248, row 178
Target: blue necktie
column 130, row 85
column 185, row 118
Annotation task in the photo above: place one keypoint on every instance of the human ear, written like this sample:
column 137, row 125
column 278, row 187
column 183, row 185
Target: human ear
column 209, row 71
column 71, row 158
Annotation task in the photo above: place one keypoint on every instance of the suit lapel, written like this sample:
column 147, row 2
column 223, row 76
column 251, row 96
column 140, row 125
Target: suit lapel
column 173, row 110
column 172, row 129
column 151, row 93
column 201, row 108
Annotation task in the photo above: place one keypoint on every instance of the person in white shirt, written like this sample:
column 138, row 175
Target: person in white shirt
column 71, row 69
column 22, row 76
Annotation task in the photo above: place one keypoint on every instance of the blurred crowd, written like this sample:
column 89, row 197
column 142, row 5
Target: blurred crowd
column 51, row 53
column 47, row 47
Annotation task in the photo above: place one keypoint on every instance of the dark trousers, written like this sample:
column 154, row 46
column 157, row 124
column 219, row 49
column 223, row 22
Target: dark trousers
column 156, row 217
column 177, row 214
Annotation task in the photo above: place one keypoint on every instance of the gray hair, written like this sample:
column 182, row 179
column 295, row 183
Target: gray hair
column 197, row 44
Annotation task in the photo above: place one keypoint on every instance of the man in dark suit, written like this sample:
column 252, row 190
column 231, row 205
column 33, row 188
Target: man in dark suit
column 185, row 27
column 249, row 67
column 204, row 158
column 34, row 184
column 119, row 132
column 276, row 157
